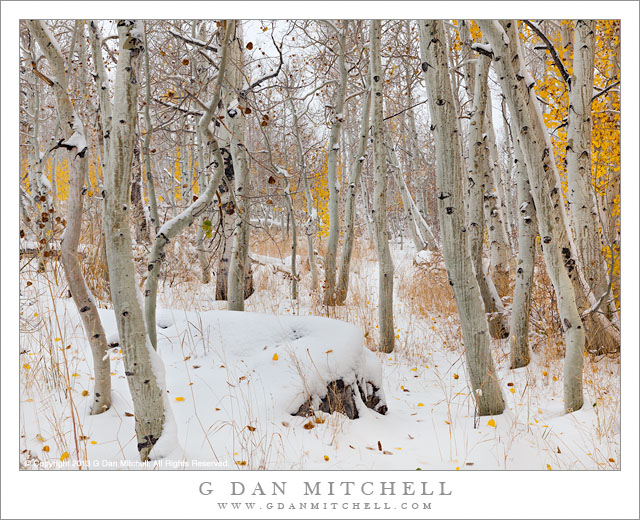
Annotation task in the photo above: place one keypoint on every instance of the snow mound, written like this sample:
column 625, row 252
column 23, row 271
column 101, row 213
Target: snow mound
column 294, row 359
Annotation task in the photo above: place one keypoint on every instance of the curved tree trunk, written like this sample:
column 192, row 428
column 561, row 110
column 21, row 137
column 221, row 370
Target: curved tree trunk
column 483, row 380
column 82, row 297
column 385, row 284
column 147, row 390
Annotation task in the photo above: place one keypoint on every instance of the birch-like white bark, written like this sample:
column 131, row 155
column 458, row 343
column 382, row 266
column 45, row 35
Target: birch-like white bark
column 240, row 285
column 496, row 209
column 385, row 263
column 420, row 231
column 516, row 83
column 449, row 170
column 146, row 144
column 332, row 173
column 311, row 224
column 82, row 297
column 342, row 287
column 478, row 174
column 146, row 390
column 583, row 211
column 527, row 233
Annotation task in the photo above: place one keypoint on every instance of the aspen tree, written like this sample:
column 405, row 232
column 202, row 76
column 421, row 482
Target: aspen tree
column 449, row 170
column 385, row 284
column 516, row 83
column 74, row 142
column 138, row 355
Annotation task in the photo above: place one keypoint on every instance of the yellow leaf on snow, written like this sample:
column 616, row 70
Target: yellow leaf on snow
column 492, row 423
column 326, row 457
column 179, row 398
column 64, row 456
column 275, row 357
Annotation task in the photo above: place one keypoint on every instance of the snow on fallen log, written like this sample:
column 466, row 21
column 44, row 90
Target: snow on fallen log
column 303, row 363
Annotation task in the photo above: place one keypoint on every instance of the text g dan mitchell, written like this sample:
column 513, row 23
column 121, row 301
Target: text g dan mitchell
column 328, row 488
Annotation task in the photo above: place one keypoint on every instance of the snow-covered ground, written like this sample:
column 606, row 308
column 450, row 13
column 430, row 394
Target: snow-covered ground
column 234, row 379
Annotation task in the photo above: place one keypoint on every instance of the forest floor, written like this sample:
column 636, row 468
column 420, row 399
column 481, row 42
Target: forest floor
column 430, row 422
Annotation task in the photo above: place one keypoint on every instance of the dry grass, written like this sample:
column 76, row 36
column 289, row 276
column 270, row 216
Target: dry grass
column 423, row 298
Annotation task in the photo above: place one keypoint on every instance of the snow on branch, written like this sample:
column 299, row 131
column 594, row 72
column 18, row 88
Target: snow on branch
column 483, row 48
column 193, row 41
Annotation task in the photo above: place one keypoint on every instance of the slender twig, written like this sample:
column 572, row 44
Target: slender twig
column 554, row 54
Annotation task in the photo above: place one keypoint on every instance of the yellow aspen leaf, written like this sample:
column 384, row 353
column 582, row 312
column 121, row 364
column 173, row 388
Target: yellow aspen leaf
column 251, row 428
column 179, row 398
column 64, row 456
column 326, row 457
column 275, row 357
column 46, row 449
column 94, row 442
column 85, row 393
column 241, row 462
column 75, row 375
column 414, row 370
column 29, row 400
column 319, row 420
column 309, row 425
column 512, row 390
column 492, row 423
column 56, row 339
column 457, row 468
column 544, row 373
column 548, row 467
column 447, row 422
column 554, row 378
column 612, row 459
column 420, row 404
column 456, row 376
column 26, row 366
column 40, row 438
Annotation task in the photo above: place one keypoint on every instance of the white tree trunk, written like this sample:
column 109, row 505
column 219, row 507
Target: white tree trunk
column 146, row 144
column 77, row 158
column 420, row 231
column 583, row 211
column 239, row 283
column 332, row 174
column 483, row 380
column 496, row 209
column 516, row 83
column 527, row 232
column 385, row 263
column 146, row 390
column 478, row 174
column 311, row 224
column 350, row 203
